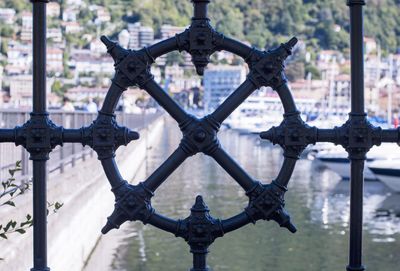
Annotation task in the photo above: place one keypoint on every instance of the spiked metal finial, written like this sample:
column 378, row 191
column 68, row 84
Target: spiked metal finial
column 114, row 49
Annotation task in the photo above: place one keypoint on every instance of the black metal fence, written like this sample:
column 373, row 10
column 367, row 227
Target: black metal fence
column 39, row 136
column 61, row 156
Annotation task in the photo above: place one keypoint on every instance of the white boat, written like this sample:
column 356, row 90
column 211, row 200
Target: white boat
column 388, row 172
column 260, row 113
column 337, row 160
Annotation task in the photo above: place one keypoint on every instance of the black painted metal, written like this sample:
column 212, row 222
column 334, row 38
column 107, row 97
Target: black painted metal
column 133, row 202
column 36, row 138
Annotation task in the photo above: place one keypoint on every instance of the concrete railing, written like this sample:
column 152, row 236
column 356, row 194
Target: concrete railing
column 75, row 230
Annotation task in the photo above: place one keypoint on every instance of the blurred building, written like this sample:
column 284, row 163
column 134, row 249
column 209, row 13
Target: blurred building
column 219, row 82
column 80, row 93
column 19, row 58
column 124, row 38
column 54, row 61
column 140, row 36
column 169, row 31
column 27, row 26
column 7, row 15
column 53, row 9
column 21, row 90
column 84, row 62
column 55, row 35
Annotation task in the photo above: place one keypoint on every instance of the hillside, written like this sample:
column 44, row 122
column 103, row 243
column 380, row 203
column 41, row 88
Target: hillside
column 322, row 23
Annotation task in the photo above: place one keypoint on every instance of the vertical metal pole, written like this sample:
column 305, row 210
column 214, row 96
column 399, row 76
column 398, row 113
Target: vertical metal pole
column 74, row 125
column 83, row 147
column 61, row 165
column 39, row 165
column 357, row 110
column 357, row 55
column 25, row 155
column 39, row 56
column 200, row 9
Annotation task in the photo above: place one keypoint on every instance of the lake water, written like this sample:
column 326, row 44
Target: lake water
column 317, row 201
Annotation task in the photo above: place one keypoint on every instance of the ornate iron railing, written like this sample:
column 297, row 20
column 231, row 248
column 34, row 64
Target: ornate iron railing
column 39, row 136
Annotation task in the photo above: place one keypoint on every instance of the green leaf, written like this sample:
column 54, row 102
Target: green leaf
column 28, row 217
column 18, row 163
column 11, row 203
column 26, row 223
column 2, row 235
column 21, row 231
column 58, row 205
column 8, row 226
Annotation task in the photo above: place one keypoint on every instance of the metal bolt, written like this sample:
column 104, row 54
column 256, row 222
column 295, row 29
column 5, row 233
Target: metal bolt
column 200, row 135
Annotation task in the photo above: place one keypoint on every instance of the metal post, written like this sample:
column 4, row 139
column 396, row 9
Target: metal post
column 357, row 110
column 39, row 165
column 83, row 156
column 74, row 125
column 62, row 156
column 200, row 9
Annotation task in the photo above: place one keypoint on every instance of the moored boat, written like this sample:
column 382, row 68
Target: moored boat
column 388, row 172
column 337, row 160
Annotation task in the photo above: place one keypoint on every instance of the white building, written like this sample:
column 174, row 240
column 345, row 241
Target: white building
column 54, row 62
column 85, row 62
column 146, row 36
column 27, row 26
column 7, row 15
column 140, row 36
column 102, row 15
column 219, row 82
column 75, row 3
column 123, row 38
column 54, row 34
column 97, row 47
column 134, row 30
column 85, row 93
column 21, row 90
column 370, row 45
column 69, row 15
column 19, row 58
column 169, row 31
column 72, row 27
column 53, row 9
column 340, row 101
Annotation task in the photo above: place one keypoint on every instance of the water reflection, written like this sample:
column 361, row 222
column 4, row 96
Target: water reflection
column 317, row 201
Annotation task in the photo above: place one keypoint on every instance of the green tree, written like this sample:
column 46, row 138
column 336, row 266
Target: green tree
column 6, row 31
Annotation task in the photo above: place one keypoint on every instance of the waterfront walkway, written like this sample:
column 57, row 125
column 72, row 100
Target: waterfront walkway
column 76, row 179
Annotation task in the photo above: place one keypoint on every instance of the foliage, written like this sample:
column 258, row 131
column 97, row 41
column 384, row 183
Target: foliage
column 314, row 71
column 11, row 191
column 322, row 23
column 57, row 88
column 6, row 31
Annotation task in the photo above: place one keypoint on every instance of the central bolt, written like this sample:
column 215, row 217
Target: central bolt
column 200, row 135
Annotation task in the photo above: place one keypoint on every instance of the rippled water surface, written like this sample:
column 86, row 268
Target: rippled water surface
column 317, row 201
